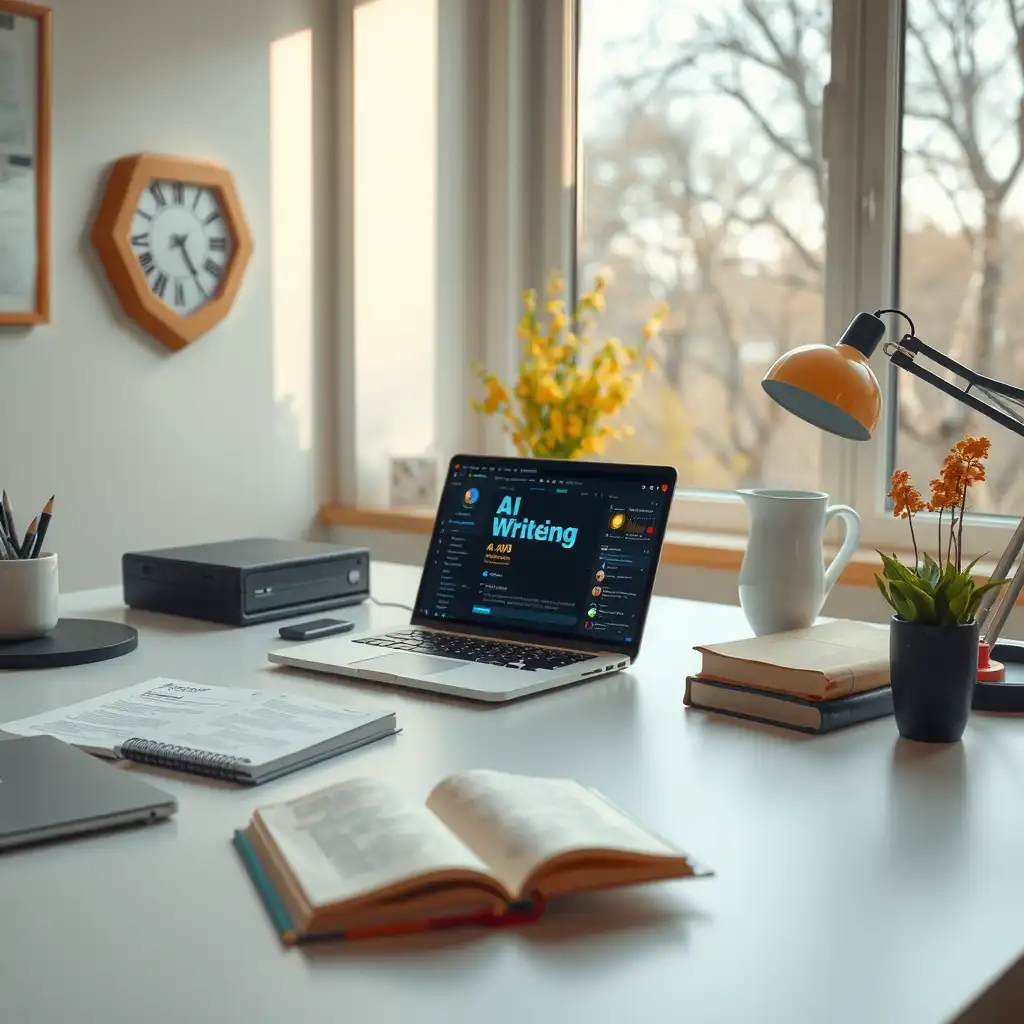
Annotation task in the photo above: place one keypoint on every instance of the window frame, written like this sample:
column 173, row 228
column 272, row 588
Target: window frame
column 508, row 196
column 862, row 114
column 880, row 160
column 706, row 510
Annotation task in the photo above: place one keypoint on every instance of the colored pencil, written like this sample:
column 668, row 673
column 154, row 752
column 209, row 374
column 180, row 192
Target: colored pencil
column 44, row 522
column 12, row 530
column 30, row 538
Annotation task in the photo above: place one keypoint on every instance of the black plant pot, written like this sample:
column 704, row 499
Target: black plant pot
column 932, row 671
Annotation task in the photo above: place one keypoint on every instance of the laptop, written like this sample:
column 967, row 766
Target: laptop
column 50, row 790
column 539, row 574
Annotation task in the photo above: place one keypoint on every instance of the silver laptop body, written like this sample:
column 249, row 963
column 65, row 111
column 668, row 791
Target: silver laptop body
column 539, row 574
column 50, row 790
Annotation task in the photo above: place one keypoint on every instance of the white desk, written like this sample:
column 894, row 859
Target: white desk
column 859, row 881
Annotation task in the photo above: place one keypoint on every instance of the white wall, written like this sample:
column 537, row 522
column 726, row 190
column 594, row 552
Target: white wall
column 231, row 436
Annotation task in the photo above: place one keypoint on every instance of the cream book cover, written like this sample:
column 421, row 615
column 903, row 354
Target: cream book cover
column 823, row 662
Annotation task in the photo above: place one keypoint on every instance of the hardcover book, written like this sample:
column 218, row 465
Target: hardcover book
column 810, row 716
column 819, row 663
column 359, row 859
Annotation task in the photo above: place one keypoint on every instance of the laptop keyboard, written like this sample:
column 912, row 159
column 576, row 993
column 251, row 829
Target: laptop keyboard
column 471, row 648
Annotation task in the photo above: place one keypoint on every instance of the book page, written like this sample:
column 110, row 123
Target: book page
column 252, row 725
column 515, row 822
column 360, row 836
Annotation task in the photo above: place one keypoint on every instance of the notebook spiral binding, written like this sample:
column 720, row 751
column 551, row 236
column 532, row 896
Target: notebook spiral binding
column 187, row 759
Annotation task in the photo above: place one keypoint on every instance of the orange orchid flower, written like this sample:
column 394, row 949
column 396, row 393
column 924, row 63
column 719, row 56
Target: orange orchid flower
column 906, row 498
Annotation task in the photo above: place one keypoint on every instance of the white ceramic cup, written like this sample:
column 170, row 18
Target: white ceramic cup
column 28, row 597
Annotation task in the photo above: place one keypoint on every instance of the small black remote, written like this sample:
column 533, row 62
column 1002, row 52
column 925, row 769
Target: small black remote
column 315, row 629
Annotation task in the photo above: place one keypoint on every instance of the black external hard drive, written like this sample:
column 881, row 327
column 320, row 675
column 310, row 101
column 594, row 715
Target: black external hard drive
column 240, row 582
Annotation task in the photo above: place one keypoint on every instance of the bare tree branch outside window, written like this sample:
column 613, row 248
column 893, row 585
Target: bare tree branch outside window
column 704, row 184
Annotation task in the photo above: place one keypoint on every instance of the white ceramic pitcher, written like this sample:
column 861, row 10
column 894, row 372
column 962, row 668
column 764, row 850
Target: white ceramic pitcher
column 783, row 579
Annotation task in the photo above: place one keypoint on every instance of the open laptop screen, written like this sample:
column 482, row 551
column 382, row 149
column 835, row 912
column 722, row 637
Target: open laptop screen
column 550, row 549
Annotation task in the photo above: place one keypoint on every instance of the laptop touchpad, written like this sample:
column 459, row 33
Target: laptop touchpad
column 410, row 664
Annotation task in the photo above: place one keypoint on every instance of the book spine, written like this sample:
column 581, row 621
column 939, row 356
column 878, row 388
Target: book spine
column 186, row 759
column 855, row 712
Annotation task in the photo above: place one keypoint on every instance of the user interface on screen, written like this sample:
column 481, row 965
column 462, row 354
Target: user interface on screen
column 542, row 547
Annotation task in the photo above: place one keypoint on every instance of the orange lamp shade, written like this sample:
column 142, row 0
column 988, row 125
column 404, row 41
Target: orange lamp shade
column 832, row 386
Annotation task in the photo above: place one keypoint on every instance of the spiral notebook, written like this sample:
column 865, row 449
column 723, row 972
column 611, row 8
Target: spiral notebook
column 242, row 735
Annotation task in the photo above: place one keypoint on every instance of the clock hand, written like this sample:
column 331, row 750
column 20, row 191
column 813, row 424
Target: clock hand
column 178, row 241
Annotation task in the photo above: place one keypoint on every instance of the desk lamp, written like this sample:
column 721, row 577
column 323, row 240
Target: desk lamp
column 835, row 389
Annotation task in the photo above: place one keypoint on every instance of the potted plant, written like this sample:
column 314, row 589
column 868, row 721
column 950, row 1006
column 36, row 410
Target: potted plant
column 933, row 638
column 571, row 385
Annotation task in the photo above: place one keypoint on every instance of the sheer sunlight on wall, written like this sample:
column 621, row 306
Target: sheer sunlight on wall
column 395, row 45
column 291, row 210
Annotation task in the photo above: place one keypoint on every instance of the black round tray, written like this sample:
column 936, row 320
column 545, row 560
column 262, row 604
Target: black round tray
column 72, row 642
column 1006, row 696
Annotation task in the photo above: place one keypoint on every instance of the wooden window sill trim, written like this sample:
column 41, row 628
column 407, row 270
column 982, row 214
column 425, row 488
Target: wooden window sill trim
column 722, row 551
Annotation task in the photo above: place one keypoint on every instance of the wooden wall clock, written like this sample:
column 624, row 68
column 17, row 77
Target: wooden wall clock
column 173, row 239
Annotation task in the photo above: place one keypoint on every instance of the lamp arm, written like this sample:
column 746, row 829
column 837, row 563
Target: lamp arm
column 910, row 343
column 902, row 355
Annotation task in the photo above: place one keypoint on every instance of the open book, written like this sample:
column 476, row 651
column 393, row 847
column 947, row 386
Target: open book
column 359, row 859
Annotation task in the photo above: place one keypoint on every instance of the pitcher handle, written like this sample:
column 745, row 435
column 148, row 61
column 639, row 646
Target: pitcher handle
column 850, row 542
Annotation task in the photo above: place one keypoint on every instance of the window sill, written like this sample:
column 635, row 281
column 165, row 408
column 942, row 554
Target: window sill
column 722, row 551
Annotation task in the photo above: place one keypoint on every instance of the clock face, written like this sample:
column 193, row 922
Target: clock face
column 180, row 237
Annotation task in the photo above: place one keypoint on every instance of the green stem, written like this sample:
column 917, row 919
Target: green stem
column 910, row 519
column 939, row 551
column 960, row 531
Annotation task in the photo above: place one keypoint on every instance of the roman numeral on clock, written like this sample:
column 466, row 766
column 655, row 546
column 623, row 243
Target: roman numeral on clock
column 179, row 293
column 178, row 192
column 213, row 269
column 146, row 262
column 158, row 194
column 218, row 244
column 212, row 217
column 142, row 239
column 160, row 284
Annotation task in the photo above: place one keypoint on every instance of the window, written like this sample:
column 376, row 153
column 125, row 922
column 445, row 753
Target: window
column 962, row 226
column 742, row 160
column 766, row 167
column 702, row 184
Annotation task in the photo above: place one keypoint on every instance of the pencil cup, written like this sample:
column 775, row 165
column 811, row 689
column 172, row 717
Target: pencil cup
column 28, row 597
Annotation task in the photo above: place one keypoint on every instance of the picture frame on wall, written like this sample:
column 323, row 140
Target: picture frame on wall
column 25, row 73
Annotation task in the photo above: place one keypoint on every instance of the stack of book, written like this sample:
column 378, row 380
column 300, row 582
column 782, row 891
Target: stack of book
column 813, row 680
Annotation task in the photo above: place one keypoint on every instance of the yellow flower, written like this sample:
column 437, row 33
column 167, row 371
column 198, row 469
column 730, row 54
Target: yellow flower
column 559, row 406
column 548, row 392
column 603, row 278
column 496, row 395
column 651, row 328
column 556, row 432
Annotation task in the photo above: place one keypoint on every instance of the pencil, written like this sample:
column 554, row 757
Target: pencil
column 30, row 538
column 44, row 522
column 12, row 530
column 6, row 546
